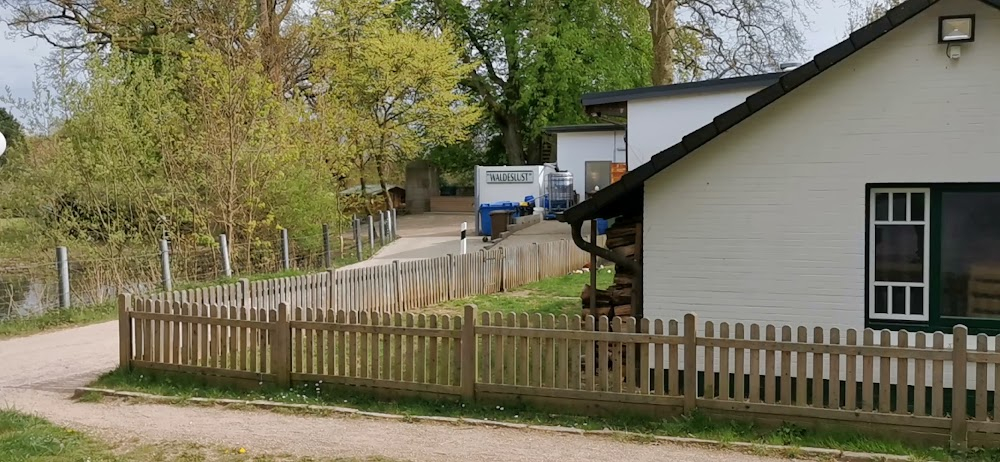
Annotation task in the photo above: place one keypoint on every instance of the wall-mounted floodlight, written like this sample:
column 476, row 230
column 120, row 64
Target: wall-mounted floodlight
column 957, row 29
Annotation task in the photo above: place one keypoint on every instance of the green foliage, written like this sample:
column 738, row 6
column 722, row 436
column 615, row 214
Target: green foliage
column 13, row 133
column 57, row 319
column 389, row 88
column 538, row 57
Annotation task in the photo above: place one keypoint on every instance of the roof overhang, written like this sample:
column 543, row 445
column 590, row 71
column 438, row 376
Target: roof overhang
column 615, row 103
column 584, row 128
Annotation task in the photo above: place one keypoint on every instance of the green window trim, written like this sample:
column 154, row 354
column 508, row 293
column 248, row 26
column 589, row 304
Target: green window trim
column 936, row 321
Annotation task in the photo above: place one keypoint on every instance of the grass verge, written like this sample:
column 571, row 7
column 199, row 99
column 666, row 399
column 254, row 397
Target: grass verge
column 25, row 438
column 692, row 426
column 57, row 319
column 559, row 295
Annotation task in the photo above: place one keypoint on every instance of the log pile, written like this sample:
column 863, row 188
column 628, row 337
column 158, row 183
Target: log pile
column 617, row 299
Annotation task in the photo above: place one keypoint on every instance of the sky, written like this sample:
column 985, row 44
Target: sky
column 19, row 56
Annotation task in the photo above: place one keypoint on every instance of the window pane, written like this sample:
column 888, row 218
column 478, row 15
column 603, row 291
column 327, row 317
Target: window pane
column 917, row 207
column 899, row 253
column 970, row 254
column 899, row 300
column 916, row 300
column 899, row 207
column 882, row 300
column 882, row 206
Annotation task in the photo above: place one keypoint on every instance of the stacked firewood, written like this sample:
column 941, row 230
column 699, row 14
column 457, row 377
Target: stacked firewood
column 617, row 299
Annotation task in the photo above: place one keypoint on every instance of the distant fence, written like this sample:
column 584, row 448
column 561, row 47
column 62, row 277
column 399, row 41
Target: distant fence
column 588, row 365
column 397, row 286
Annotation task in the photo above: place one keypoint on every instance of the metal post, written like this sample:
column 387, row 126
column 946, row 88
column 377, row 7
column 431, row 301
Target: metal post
column 165, row 265
column 371, row 233
column 381, row 227
column 463, row 245
column 593, row 270
column 357, row 238
column 224, row 247
column 62, row 264
column 327, row 252
column 285, row 263
column 394, row 223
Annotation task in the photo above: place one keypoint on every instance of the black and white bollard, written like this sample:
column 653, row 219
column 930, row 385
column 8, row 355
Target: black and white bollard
column 463, row 247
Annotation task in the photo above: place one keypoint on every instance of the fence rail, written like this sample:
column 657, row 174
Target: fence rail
column 396, row 286
column 585, row 364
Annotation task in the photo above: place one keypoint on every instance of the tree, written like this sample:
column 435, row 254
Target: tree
column 266, row 27
column 390, row 87
column 863, row 12
column 13, row 133
column 536, row 58
column 730, row 38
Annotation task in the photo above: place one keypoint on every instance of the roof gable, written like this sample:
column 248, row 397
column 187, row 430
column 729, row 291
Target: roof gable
column 624, row 194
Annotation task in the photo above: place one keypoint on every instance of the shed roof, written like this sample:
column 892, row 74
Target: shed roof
column 624, row 195
column 677, row 89
column 609, row 127
column 370, row 190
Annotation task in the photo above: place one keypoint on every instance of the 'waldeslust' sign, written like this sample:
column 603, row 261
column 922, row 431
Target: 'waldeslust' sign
column 522, row 176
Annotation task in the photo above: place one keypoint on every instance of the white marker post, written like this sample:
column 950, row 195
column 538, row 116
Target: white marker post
column 464, row 245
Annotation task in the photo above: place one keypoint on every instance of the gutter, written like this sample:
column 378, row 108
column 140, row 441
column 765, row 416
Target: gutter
column 607, row 254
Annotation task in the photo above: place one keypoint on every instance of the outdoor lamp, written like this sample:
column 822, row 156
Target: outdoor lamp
column 957, row 29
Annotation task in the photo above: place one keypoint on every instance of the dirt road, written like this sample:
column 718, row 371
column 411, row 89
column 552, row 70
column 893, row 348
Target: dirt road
column 38, row 373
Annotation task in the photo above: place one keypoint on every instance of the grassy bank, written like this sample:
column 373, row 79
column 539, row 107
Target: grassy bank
column 696, row 426
column 559, row 295
column 57, row 319
column 25, row 438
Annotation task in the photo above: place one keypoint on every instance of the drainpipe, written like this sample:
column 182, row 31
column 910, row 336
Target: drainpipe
column 607, row 254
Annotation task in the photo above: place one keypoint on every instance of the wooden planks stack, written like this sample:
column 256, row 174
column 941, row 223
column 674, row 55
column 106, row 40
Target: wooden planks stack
column 617, row 299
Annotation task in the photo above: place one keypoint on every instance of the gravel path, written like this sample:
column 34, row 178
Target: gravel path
column 38, row 373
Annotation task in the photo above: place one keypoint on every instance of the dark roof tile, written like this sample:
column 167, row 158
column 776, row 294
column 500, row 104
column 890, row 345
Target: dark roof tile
column 728, row 119
column 761, row 99
column 699, row 137
column 799, row 75
column 834, row 55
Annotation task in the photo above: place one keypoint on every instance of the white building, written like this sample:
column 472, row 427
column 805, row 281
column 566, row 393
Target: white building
column 657, row 117
column 578, row 145
column 860, row 190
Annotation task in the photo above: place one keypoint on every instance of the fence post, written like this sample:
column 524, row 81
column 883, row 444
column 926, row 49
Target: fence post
column 959, row 385
column 285, row 263
column 469, row 354
column 538, row 262
column 357, row 238
column 503, row 269
column 371, row 234
column 690, row 362
column 165, row 265
column 327, row 251
column 281, row 348
column 124, row 332
column 62, row 264
column 451, row 277
column 398, row 281
column 381, row 227
column 394, row 224
column 245, row 291
column 331, row 292
column 227, row 267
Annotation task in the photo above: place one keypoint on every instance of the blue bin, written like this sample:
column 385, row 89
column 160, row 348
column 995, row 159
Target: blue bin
column 602, row 226
column 485, row 223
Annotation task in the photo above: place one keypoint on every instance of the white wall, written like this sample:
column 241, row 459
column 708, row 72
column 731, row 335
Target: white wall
column 766, row 223
column 574, row 149
column 656, row 124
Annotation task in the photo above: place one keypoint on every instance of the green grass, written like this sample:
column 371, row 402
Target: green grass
column 559, row 295
column 25, row 438
column 695, row 426
column 57, row 319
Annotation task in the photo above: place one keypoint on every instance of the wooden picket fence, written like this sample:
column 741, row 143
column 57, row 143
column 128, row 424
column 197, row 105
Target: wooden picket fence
column 397, row 286
column 913, row 387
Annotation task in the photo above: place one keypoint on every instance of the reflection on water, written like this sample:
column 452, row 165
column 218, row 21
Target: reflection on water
column 22, row 295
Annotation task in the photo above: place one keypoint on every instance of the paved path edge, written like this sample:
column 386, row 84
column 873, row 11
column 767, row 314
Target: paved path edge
column 819, row 453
